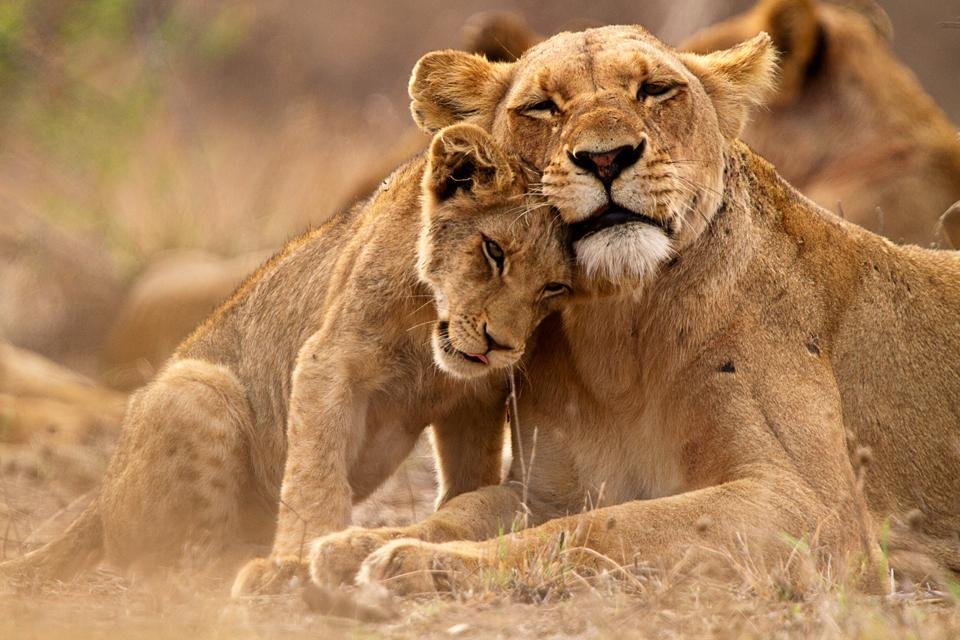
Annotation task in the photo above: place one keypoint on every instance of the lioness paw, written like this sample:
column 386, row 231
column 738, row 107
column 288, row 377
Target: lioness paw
column 335, row 559
column 269, row 576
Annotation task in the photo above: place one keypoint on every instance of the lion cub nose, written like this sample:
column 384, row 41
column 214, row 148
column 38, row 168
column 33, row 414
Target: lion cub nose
column 607, row 165
column 493, row 343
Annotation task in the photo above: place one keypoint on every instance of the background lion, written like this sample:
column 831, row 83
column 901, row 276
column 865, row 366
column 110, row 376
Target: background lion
column 850, row 127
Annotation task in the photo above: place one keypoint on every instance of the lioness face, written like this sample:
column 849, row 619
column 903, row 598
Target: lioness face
column 493, row 255
column 628, row 133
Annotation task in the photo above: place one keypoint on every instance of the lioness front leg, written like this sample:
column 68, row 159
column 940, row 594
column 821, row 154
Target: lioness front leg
column 325, row 428
column 760, row 513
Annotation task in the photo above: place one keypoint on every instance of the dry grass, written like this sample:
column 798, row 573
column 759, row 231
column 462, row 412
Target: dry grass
column 675, row 603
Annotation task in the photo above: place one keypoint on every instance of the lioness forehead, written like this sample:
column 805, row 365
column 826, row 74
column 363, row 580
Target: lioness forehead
column 596, row 56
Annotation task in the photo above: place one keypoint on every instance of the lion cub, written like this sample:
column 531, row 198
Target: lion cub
column 491, row 263
column 308, row 388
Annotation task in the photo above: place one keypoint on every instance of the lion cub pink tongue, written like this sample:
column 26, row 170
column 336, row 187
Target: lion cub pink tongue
column 479, row 356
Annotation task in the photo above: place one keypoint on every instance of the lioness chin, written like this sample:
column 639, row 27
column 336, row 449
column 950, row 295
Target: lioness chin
column 306, row 390
column 753, row 344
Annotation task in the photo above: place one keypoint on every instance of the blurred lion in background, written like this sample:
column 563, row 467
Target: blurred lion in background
column 851, row 126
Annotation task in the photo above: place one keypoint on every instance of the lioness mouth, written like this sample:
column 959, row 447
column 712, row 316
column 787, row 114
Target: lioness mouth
column 611, row 216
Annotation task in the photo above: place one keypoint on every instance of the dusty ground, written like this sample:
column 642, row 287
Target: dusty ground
column 38, row 494
column 108, row 609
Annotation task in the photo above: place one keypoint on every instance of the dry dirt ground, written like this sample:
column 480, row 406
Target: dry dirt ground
column 42, row 487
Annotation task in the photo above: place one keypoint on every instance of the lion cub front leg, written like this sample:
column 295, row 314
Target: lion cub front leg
column 325, row 428
column 468, row 443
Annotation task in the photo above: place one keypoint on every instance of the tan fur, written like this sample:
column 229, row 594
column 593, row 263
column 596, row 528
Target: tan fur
column 731, row 384
column 307, row 388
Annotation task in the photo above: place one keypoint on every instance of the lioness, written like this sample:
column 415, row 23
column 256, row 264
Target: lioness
column 354, row 338
column 849, row 124
column 755, row 335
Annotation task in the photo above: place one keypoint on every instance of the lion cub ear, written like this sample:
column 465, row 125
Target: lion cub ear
column 447, row 87
column 464, row 157
column 736, row 79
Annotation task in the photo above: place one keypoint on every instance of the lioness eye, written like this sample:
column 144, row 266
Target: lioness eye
column 494, row 254
column 548, row 106
column 554, row 289
column 653, row 89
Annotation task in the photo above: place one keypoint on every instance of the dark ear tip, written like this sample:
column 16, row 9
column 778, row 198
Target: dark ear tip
column 500, row 36
column 451, row 173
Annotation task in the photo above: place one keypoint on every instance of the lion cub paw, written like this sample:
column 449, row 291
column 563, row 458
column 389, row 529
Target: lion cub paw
column 410, row 567
column 335, row 559
column 269, row 576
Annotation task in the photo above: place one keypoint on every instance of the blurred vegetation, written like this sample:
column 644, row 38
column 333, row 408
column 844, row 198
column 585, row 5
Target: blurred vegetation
column 81, row 80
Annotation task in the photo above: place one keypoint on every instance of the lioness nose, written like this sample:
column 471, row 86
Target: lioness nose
column 607, row 165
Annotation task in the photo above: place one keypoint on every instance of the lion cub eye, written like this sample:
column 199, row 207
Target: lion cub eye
column 554, row 289
column 654, row 89
column 542, row 109
column 494, row 254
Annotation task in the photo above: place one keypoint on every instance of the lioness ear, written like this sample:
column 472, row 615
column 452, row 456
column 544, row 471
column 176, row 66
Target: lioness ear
column 465, row 157
column 447, row 87
column 736, row 79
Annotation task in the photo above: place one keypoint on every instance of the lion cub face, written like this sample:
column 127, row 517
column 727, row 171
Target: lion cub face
column 629, row 133
column 493, row 255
